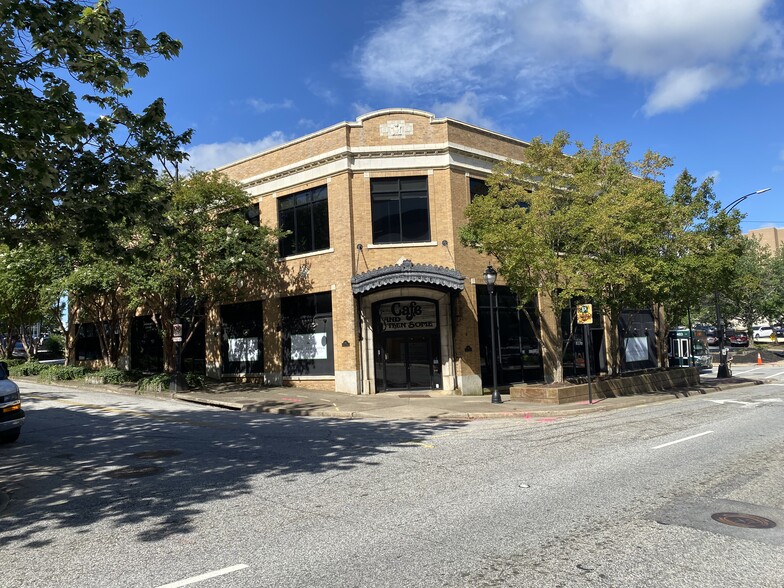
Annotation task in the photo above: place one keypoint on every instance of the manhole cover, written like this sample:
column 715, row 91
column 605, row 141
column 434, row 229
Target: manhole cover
column 135, row 472
column 157, row 454
column 747, row 521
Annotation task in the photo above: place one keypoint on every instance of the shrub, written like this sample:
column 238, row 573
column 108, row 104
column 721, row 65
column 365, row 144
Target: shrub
column 54, row 373
column 194, row 380
column 111, row 375
column 14, row 361
column 156, row 383
column 28, row 368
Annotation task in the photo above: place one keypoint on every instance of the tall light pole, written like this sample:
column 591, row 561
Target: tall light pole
column 724, row 370
column 490, row 276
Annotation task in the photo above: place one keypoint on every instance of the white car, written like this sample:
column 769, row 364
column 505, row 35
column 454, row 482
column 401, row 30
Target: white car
column 763, row 334
column 11, row 414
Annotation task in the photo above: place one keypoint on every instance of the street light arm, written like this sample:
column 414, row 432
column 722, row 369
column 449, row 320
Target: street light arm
column 737, row 201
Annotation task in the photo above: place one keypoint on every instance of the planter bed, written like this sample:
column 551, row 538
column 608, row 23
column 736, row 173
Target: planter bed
column 626, row 385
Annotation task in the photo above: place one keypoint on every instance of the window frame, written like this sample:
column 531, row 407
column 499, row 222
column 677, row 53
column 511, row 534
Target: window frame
column 304, row 203
column 400, row 195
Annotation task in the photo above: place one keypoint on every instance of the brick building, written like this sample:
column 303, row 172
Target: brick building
column 381, row 294
column 770, row 237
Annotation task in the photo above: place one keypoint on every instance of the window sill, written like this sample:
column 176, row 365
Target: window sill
column 398, row 245
column 308, row 254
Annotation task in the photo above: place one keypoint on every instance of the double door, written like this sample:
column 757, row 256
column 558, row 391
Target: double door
column 408, row 362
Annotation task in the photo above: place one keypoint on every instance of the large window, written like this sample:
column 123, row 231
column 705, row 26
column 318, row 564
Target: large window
column 242, row 336
column 304, row 215
column 518, row 357
column 307, row 335
column 400, row 210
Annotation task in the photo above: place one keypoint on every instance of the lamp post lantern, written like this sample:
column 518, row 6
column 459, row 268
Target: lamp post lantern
column 724, row 370
column 490, row 276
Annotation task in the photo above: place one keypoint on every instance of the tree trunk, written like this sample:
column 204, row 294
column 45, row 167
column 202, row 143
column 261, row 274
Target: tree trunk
column 614, row 354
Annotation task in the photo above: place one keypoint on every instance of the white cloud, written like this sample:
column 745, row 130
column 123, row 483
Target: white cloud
column 679, row 88
column 208, row 156
column 263, row 106
column 467, row 108
column 534, row 50
column 715, row 174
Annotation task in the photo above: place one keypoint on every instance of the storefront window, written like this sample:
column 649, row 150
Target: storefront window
column 307, row 335
column 242, row 336
column 517, row 348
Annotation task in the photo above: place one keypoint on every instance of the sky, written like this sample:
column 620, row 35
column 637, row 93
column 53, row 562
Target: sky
column 700, row 81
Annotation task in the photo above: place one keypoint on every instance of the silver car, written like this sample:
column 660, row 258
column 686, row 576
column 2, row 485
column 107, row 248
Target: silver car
column 11, row 414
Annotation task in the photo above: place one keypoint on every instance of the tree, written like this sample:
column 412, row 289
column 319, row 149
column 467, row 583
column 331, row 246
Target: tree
column 530, row 221
column 593, row 226
column 64, row 177
column 747, row 297
column 623, row 231
column 776, row 294
column 24, row 275
column 201, row 251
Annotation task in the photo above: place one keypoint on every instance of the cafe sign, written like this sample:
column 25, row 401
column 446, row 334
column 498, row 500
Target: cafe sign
column 407, row 315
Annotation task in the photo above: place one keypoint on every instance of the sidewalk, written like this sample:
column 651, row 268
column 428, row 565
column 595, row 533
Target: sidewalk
column 420, row 406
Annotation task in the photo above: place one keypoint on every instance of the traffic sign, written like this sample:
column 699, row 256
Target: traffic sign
column 584, row 314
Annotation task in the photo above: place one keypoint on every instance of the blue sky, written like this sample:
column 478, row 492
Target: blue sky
column 701, row 81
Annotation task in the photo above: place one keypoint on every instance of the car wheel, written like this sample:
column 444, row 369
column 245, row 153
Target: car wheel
column 10, row 436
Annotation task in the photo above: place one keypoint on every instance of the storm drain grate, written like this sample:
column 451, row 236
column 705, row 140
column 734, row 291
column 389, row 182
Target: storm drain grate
column 157, row 454
column 413, row 395
column 747, row 521
column 134, row 472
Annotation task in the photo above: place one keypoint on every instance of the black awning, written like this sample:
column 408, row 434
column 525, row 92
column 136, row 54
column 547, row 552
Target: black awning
column 407, row 273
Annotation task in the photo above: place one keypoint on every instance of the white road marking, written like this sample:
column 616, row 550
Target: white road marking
column 203, row 577
column 682, row 440
column 776, row 375
column 769, row 400
column 729, row 402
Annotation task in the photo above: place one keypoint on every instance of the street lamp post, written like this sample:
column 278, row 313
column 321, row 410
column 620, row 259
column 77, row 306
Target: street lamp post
column 724, row 370
column 490, row 276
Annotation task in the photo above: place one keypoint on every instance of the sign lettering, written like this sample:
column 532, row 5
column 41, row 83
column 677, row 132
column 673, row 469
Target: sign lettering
column 411, row 315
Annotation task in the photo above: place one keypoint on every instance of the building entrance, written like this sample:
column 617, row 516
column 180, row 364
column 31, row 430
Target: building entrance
column 407, row 353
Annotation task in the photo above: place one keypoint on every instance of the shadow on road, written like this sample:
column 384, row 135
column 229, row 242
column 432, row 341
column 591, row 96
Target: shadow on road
column 79, row 465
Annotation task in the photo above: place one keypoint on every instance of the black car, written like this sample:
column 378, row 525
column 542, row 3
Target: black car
column 11, row 414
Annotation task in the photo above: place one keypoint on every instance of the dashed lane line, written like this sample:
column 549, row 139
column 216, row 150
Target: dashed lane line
column 202, row 577
column 684, row 439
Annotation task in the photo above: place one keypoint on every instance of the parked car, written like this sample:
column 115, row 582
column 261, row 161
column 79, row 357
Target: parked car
column 11, row 414
column 737, row 338
column 712, row 336
column 765, row 334
column 18, row 351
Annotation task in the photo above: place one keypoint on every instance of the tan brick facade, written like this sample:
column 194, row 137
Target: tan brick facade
column 395, row 143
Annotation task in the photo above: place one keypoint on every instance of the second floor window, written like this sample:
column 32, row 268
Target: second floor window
column 304, row 215
column 478, row 187
column 400, row 210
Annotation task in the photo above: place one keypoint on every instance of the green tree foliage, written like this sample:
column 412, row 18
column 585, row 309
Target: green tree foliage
column 531, row 221
column 63, row 176
column 200, row 252
column 24, row 273
column 776, row 291
column 748, row 297
column 597, row 227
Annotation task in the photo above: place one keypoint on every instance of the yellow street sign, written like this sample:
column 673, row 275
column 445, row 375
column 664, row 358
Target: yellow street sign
column 584, row 314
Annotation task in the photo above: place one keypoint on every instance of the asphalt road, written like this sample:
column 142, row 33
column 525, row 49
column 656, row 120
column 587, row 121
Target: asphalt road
column 108, row 490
